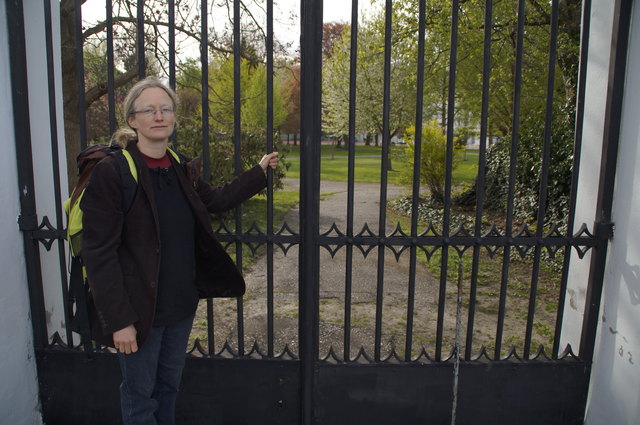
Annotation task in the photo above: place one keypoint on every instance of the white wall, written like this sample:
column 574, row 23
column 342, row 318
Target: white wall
column 18, row 382
column 19, row 403
column 41, row 146
column 615, row 380
column 596, row 93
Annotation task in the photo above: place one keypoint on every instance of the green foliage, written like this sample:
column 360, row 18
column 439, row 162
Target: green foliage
column 97, row 115
column 433, row 159
column 253, row 113
column 529, row 168
column 370, row 81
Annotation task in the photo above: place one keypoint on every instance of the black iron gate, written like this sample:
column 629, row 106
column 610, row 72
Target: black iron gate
column 239, row 386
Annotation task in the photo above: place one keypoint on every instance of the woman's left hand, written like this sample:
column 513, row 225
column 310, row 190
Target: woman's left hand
column 269, row 160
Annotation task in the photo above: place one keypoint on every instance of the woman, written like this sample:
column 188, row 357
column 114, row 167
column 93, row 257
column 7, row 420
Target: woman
column 148, row 266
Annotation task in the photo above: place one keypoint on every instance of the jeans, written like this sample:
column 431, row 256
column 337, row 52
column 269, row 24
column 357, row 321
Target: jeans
column 151, row 376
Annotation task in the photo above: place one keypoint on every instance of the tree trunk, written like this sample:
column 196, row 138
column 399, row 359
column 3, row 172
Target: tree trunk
column 569, row 23
column 69, row 88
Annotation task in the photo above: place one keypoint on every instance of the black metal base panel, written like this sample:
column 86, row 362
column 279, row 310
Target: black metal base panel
column 488, row 394
column 77, row 389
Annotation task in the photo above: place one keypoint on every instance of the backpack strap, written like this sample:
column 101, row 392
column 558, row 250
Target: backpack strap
column 131, row 164
column 79, row 319
column 175, row 156
column 128, row 177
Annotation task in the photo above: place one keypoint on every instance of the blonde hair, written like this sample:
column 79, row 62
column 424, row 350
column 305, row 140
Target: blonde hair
column 124, row 136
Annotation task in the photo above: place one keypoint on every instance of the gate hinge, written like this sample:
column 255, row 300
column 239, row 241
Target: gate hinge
column 604, row 230
column 28, row 223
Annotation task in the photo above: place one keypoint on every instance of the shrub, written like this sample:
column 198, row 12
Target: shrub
column 529, row 168
column 433, row 155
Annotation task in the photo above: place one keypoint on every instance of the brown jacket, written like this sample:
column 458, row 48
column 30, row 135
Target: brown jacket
column 121, row 252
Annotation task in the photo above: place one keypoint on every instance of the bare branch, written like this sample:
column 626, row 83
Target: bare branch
column 100, row 26
column 101, row 89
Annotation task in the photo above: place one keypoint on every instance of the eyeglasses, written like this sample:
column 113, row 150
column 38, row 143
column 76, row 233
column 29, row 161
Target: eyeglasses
column 150, row 112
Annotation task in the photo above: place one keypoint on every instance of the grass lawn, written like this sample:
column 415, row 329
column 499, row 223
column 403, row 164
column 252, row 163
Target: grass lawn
column 334, row 164
column 255, row 210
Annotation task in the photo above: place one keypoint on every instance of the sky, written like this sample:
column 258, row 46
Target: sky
column 285, row 29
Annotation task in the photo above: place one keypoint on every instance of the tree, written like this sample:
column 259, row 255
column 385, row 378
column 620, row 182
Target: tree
column 156, row 50
column 221, row 115
column 291, row 87
column 369, row 85
column 470, row 45
column 331, row 32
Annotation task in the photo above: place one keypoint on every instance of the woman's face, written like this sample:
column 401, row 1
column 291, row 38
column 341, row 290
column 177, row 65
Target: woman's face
column 153, row 116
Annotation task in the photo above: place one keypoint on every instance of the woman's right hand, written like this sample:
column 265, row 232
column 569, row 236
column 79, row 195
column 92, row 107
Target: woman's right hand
column 125, row 340
column 269, row 160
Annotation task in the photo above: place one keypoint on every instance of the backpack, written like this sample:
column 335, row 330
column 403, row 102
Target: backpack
column 78, row 295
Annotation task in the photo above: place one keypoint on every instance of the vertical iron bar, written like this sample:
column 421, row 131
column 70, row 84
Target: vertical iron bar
column 456, row 363
column 512, row 178
column 28, row 220
column 140, row 39
column 447, row 183
column 206, row 161
column 417, row 160
column 270, row 335
column 310, row 127
column 237, row 134
column 353, row 64
column 544, row 178
column 53, row 126
column 382, row 221
column 111, row 95
column 211, row 342
column 171, row 14
column 577, row 150
column 480, row 187
column 80, row 74
column 611, row 140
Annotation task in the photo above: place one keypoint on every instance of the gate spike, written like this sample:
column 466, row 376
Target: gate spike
column 540, row 352
column 285, row 228
column 483, row 353
column 568, row 352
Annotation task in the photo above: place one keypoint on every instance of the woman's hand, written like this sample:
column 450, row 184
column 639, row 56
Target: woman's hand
column 125, row 340
column 269, row 160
